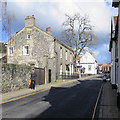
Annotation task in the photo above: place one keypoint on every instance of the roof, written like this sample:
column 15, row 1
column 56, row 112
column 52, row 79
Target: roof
column 109, row 64
column 104, row 64
column 70, row 48
column 115, row 21
column 15, row 34
column 78, row 58
column 99, row 64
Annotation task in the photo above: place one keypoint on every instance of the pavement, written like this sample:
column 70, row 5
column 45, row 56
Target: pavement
column 108, row 105
column 22, row 92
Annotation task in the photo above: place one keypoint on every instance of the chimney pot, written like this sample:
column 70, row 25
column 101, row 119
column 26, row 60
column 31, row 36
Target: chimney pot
column 48, row 29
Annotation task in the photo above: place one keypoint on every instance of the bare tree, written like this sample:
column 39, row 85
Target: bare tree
column 78, row 33
column 6, row 19
column 3, row 48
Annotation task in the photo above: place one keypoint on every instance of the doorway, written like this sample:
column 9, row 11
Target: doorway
column 49, row 75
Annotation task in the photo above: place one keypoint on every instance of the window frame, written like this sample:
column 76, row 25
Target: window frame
column 70, row 57
column 28, row 35
column 66, row 54
column 61, row 52
column 90, row 67
column 9, row 51
column 61, row 69
column 24, row 50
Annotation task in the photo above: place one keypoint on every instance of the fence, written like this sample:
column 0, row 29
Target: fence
column 68, row 76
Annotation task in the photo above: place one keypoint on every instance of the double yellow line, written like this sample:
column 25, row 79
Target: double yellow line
column 49, row 89
column 97, row 102
column 24, row 96
column 32, row 94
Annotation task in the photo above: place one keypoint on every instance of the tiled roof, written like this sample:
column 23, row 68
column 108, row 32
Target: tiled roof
column 99, row 64
column 78, row 58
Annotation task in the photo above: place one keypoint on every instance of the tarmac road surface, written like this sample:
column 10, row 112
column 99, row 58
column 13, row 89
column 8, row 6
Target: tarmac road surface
column 76, row 100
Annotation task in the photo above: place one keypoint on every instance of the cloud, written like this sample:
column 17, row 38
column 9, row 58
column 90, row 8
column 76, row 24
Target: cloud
column 102, row 53
column 52, row 13
column 96, row 53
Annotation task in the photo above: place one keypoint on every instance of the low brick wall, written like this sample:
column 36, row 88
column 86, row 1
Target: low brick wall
column 14, row 77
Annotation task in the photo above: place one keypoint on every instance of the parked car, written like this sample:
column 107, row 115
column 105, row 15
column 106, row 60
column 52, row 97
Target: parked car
column 104, row 78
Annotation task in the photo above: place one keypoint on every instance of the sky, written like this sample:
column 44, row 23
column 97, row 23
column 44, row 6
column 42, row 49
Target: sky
column 51, row 13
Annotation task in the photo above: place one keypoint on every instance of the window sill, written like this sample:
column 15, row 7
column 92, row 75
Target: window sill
column 26, row 54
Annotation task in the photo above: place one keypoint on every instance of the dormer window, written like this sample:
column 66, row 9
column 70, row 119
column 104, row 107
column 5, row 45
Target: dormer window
column 28, row 36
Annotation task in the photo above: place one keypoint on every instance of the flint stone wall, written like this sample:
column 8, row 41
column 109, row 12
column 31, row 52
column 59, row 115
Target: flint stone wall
column 15, row 77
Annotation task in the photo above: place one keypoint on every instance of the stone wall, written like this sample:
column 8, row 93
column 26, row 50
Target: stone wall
column 14, row 77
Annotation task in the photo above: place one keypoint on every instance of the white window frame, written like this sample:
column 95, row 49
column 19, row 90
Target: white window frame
column 9, row 51
column 24, row 53
column 60, row 69
column 66, row 54
column 90, row 67
column 60, row 52
column 70, row 57
column 28, row 35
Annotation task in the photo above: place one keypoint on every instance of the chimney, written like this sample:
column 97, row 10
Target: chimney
column 48, row 30
column 30, row 21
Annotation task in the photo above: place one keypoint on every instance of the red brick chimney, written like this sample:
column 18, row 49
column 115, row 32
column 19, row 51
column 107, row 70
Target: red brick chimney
column 48, row 30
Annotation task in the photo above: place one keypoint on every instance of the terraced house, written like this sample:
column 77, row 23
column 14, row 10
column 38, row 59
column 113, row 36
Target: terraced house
column 35, row 47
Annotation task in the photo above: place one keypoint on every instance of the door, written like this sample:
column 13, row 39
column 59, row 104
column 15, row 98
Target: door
column 40, row 79
column 49, row 75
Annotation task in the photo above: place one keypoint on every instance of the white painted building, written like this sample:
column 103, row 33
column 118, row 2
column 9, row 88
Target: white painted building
column 87, row 64
column 113, row 50
column 115, row 41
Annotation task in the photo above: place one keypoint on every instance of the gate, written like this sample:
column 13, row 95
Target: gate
column 40, row 79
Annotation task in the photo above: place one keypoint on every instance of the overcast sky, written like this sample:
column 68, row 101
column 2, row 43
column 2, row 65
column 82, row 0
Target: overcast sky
column 51, row 13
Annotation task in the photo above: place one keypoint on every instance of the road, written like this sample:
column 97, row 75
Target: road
column 76, row 100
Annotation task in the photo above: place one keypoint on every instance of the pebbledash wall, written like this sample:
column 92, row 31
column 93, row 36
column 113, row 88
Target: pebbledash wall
column 14, row 77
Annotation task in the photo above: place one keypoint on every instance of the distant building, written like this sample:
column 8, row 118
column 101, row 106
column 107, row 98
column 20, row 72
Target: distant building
column 86, row 64
column 99, row 68
column 35, row 47
column 104, row 68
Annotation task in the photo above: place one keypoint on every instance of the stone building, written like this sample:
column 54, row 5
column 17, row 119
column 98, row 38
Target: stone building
column 104, row 68
column 35, row 47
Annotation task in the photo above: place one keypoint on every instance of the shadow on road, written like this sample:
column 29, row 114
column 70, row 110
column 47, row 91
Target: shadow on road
column 72, row 101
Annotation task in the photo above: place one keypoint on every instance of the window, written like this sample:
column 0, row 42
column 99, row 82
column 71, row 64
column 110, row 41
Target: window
column 61, row 69
column 10, row 51
column 70, row 57
column 60, row 52
column 28, row 36
column 26, row 50
column 66, row 54
column 89, row 67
